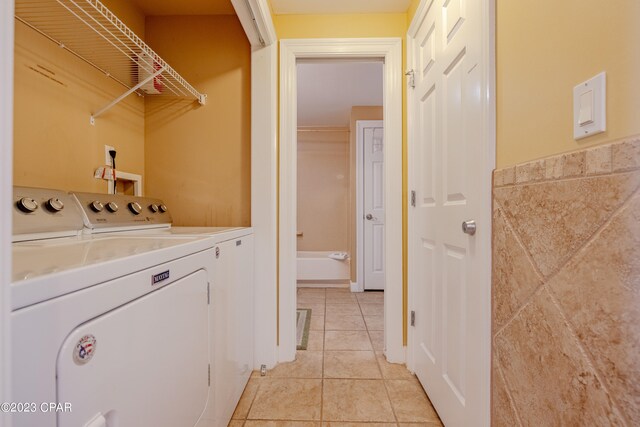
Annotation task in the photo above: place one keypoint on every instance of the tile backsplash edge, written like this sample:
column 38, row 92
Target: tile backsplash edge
column 618, row 156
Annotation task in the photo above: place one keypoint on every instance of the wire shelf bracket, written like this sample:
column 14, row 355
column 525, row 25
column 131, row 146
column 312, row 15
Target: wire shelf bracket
column 94, row 34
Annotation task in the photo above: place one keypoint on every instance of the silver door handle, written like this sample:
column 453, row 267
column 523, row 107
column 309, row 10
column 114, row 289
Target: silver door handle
column 469, row 227
column 369, row 217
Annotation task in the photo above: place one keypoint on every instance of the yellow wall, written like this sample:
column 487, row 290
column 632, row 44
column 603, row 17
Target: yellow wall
column 357, row 113
column 198, row 158
column 323, row 189
column 54, row 143
column 544, row 49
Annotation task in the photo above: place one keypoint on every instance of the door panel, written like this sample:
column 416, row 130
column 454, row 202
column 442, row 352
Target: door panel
column 373, row 206
column 446, row 172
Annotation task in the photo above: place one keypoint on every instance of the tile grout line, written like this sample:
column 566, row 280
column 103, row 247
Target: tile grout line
column 508, row 391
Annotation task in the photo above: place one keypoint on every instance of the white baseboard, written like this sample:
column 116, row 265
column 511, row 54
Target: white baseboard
column 355, row 287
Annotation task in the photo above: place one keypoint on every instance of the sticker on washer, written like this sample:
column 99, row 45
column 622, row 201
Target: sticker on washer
column 160, row 277
column 84, row 349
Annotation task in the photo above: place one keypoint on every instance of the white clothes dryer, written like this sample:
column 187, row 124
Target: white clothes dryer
column 109, row 331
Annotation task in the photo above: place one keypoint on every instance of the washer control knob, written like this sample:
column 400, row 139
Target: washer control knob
column 27, row 204
column 96, row 206
column 112, row 207
column 163, row 208
column 153, row 208
column 135, row 208
column 55, row 205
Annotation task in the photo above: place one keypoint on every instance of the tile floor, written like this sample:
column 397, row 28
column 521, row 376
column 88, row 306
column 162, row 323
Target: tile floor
column 343, row 378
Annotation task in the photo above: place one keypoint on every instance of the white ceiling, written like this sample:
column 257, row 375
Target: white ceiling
column 327, row 91
column 189, row 7
column 286, row 7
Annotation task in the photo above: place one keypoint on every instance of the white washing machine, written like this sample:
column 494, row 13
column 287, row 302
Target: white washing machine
column 109, row 331
column 232, row 296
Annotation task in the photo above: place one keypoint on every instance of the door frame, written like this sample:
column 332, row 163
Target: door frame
column 488, row 92
column 6, row 195
column 360, row 125
column 390, row 51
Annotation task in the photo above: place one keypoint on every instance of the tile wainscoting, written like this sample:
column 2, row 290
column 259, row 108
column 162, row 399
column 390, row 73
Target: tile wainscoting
column 566, row 289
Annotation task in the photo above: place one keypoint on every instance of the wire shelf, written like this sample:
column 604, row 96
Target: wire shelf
column 90, row 31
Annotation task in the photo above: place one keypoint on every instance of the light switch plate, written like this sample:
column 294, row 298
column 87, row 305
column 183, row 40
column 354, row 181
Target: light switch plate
column 589, row 107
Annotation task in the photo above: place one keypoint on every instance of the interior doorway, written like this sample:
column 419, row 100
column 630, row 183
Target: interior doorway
column 387, row 51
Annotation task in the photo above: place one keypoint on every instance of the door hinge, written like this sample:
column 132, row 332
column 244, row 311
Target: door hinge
column 413, row 318
column 209, row 375
column 411, row 78
column 413, row 198
column 208, row 293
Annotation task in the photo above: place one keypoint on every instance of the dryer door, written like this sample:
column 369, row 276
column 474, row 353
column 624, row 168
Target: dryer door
column 142, row 364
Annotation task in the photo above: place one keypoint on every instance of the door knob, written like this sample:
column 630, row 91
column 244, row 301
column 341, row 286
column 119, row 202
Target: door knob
column 469, row 227
column 369, row 217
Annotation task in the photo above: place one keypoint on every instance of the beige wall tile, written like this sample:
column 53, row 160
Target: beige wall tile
column 502, row 412
column 625, row 155
column 409, row 401
column 530, row 172
column 598, row 160
column 514, row 277
column 346, row 340
column 599, row 290
column 351, row 364
column 553, row 219
column 356, row 400
column 573, row 164
column 287, row 399
column 553, row 167
column 551, row 381
column 509, row 175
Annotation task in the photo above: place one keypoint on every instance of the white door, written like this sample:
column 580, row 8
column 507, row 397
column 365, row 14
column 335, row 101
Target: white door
column 372, row 132
column 449, row 269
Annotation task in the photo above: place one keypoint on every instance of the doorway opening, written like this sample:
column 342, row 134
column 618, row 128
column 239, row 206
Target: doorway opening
column 295, row 56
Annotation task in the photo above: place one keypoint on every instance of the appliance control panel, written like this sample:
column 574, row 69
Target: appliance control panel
column 122, row 211
column 43, row 210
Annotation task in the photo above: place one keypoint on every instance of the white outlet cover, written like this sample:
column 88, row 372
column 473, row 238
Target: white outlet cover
column 589, row 107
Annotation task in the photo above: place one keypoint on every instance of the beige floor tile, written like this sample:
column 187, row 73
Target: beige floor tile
column 356, row 400
column 351, row 364
column 340, row 424
column 316, row 341
column 311, row 291
column 251, row 423
column 311, row 299
column 341, row 298
column 410, row 403
column 316, row 308
column 287, row 399
column 343, row 309
column 317, row 322
column 374, row 323
column 247, row 397
column 429, row 424
column 346, row 340
column 370, row 297
column 308, row 364
column 339, row 322
column 343, row 290
column 235, row 423
column 377, row 340
column 392, row 371
column 372, row 309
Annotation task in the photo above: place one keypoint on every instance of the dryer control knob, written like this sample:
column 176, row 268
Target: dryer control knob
column 96, row 206
column 135, row 208
column 27, row 204
column 153, row 207
column 55, row 205
column 112, row 207
column 163, row 208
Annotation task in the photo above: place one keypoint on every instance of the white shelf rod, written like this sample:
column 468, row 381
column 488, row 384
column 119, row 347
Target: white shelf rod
column 98, row 113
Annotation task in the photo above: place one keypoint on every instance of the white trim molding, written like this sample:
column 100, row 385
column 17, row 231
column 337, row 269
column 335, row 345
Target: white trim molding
column 390, row 51
column 6, row 196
